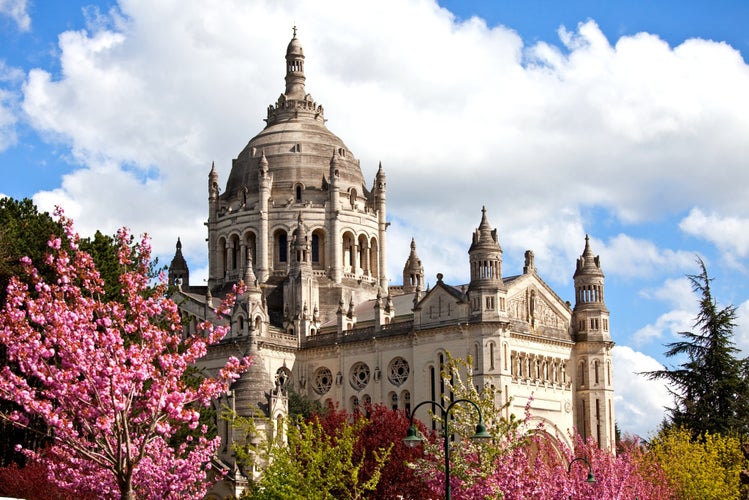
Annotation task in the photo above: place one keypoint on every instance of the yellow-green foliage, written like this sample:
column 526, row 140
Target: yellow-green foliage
column 314, row 465
column 707, row 468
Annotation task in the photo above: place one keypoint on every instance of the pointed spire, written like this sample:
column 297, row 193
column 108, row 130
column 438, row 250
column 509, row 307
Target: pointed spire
column 484, row 225
column 413, row 271
column 213, row 181
column 588, row 263
column 249, row 274
column 179, row 273
column 484, row 236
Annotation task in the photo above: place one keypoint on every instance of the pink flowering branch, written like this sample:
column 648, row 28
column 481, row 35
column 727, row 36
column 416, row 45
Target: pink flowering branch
column 107, row 377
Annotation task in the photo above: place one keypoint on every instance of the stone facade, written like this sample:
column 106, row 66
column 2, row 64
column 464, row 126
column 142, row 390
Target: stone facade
column 298, row 224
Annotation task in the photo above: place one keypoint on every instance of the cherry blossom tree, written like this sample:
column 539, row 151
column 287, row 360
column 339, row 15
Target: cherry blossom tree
column 526, row 460
column 106, row 376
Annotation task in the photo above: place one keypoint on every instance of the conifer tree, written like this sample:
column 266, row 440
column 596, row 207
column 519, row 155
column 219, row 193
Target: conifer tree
column 710, row 389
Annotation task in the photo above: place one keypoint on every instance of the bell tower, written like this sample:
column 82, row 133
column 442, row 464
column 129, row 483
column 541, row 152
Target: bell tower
column 593, row 375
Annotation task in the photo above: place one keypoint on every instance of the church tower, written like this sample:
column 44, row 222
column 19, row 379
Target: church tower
column 487, row 292
column 296, row 167
column 592, row 353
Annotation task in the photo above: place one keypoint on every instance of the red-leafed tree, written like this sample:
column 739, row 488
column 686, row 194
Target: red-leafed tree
column 383, row 428
column 32, row 483
column 107, row 376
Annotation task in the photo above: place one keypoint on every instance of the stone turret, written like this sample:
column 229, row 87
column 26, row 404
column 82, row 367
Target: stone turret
column 486, row 290
column 179, row 273
column 592, row 352
column 413, row 272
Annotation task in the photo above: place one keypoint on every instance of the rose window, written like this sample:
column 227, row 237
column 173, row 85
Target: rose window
column 398, row 371
column 323, row 381
column 359, row 376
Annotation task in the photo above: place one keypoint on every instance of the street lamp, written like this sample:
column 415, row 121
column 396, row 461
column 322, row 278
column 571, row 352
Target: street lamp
column 412, row 438
column 591, row 479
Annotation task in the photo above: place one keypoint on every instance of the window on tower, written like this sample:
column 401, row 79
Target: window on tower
column 283, row 250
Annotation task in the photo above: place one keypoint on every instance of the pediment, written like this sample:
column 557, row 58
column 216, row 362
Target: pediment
column 532, row 301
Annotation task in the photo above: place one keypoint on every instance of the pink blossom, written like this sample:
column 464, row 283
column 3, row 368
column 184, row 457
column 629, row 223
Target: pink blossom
column 108, row 376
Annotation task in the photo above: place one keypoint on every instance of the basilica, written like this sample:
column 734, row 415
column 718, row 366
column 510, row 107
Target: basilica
column 301, row 226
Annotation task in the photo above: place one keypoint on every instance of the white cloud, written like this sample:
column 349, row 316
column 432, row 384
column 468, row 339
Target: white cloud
column 16, row 10
column 460, row 114
column 729, row 233
column 741, row 332
column 639, row 403
column 637, row 258
column 677, row 293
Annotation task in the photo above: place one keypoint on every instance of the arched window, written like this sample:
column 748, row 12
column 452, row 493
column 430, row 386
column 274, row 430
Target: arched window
column 298, row 193
column 406, row 398
column 283, row 248
column 221, row 252
column 234, row 255
column 315, row 248
column 393, row 401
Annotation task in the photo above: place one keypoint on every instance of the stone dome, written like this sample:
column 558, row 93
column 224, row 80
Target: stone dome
column 296, row 143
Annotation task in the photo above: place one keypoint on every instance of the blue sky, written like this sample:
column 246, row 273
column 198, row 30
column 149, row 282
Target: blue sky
column 627, row 121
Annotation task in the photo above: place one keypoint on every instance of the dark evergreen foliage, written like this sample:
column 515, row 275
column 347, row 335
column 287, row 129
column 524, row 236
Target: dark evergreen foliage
column 710, row 388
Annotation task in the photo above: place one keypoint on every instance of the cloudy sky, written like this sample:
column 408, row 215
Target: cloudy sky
column 628, row 121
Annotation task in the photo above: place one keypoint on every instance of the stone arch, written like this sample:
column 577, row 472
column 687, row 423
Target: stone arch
column 221, row 245
column 249, row 243
column 374, row 258
column 555, row 444
column 348, row 243
column 362, row 255
column 232, row 252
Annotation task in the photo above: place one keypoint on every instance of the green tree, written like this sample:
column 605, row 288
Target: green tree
column 24, row 231
column 710, row 387
column 312, row 464
column 302, row 406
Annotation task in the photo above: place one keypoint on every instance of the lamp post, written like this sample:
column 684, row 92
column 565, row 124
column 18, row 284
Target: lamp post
column 412, row 438
column 591, row 478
